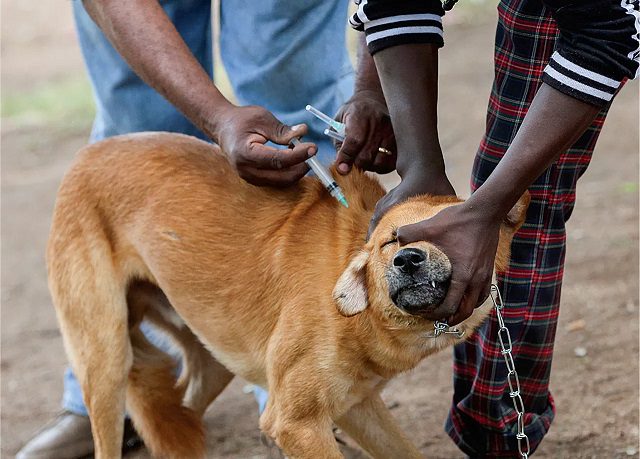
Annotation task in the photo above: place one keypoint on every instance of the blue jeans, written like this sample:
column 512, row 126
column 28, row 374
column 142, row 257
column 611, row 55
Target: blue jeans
column 280, row 54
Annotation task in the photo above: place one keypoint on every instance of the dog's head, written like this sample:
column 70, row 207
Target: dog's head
column 409, row 282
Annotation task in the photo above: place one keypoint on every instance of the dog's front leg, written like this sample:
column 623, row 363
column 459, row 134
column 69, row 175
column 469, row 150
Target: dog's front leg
column 372, row 426
column 309, row 437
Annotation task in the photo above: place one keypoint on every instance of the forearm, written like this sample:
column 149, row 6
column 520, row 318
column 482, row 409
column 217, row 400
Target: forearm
column 553, row 123
column 145, row 37
column 411, row 92
column 595, row 52
column 367, row 80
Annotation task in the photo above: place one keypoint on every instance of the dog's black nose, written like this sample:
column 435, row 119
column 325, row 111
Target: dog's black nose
column 409, row 260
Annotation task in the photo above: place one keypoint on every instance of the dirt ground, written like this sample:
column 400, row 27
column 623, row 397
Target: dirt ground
column 45, row 120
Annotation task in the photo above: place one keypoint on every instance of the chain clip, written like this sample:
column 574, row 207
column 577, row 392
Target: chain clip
column 441, row 328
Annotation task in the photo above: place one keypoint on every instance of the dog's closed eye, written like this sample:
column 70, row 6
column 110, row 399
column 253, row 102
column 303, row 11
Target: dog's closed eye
column 393, row 240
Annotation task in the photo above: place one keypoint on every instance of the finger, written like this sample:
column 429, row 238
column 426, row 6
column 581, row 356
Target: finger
column 454, row 297
column 365, row 159
column 276, row 178
column 371, row 148
column 412, row 233
column 356, row 137
column 265, row 157
column 284, row 134
column 383, row 164
column 467, row 305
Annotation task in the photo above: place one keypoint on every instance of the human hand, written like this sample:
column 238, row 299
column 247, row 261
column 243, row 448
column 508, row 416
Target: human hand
column 413, row 184
column 469, row 238
column 368, row 128
column 242, row 133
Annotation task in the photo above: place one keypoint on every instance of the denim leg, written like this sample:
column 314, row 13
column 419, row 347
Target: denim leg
column 285, row 54
column 124, row 103
column 72, row 394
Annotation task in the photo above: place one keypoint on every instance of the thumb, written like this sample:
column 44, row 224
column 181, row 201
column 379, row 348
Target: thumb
column 283, row 134
column 412, row 233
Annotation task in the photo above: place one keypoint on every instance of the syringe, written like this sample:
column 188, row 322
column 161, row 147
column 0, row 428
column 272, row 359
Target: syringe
column 337, row 125
column 325, row 177
column 334, row 135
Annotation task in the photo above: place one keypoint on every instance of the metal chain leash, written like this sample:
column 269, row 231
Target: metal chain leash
column 512, row 376
column 504, row 337
column 448, row 5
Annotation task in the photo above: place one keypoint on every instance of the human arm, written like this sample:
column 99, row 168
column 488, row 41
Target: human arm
column 412, row 94
column 468, row 233
column 592, row 58
column 404, row 38
column 145, row 37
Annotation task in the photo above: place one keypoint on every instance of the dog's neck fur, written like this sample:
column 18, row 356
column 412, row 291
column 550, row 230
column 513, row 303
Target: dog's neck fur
column 401, row 338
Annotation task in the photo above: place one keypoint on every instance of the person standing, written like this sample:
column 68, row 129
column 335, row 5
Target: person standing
column 558, row 66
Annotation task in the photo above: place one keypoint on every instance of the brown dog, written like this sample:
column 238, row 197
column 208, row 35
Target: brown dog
column 277, row 285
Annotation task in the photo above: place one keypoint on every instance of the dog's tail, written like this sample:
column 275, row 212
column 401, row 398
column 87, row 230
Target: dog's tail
column 154, row 403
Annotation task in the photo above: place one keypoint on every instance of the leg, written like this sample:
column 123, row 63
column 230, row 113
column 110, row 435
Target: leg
column 296, row 415
column 482, row 419
column 92, row 312
column 371, row 425
column 310, row 437
column 124, row 103
column 295, row 55
column 202, row 377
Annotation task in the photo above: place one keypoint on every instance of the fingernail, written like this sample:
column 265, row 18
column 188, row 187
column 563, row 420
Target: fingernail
column 297, row 127
column 312, row 151
column 343, row 168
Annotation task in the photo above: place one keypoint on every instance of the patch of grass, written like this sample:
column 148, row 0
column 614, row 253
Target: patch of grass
column 628, row 187
column 53, row 102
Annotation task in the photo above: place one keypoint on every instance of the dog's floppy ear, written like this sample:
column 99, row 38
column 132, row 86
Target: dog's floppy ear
column 350, row 292
column 512, row 223
column 516, row 216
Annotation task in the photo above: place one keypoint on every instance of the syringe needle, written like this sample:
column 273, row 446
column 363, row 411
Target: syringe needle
column 324, row 176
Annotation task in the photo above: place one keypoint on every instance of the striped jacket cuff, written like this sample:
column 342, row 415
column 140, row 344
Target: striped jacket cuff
column 398, row 29
column 579, row 82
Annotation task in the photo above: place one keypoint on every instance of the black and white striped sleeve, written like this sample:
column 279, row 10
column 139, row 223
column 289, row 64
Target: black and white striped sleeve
column 597, row 49
column 390, row 23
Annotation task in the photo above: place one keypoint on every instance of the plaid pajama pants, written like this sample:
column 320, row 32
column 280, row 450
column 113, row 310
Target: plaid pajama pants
column 482, row 421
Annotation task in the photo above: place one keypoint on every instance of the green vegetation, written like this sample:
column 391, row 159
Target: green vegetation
column 53, row 102
column 629, row 187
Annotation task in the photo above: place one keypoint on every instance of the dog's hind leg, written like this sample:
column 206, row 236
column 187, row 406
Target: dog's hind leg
column 92, row 312
column 203, row 378
column 372, row 426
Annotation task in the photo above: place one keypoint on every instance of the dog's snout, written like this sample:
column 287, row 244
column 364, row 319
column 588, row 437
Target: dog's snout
column 409, row 260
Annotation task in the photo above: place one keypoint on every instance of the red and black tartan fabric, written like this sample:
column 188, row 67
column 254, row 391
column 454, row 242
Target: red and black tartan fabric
column 482, row 421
